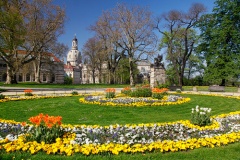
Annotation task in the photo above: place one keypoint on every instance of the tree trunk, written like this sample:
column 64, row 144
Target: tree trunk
column 36, row 65
column 112, row 78
column 93, row 76
column 11, row 76
column 100, row 75
column 223, row 83
column 131, row 71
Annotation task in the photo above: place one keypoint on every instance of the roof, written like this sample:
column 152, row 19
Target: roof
column 143, row 63
column 47, row 53
column 68, row 66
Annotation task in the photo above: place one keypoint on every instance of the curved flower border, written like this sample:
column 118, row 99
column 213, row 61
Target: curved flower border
column 135, row 104
column 67, row 145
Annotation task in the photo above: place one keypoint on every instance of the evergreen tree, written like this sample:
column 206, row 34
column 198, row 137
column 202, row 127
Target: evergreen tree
column 220, row 41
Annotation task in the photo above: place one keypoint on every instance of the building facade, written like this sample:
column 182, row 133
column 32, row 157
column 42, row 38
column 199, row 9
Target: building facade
column 51, row 70
column 54, row 70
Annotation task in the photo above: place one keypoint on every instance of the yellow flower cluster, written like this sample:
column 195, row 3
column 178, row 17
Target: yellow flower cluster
column 20, row 98
column 65, row 145
column 136, row 104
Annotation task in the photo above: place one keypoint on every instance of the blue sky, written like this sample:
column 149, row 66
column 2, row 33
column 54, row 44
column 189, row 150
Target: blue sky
column 83, row 13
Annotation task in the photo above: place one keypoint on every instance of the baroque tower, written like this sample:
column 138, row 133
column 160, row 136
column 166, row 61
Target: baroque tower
column 74, row 56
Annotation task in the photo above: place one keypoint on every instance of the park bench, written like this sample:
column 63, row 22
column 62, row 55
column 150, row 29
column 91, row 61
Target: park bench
column 215, row 88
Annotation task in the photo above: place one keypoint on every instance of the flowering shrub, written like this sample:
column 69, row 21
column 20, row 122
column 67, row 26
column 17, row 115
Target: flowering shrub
column 159, row 93
column 201, row 116
column 110, row 93
column 28, row 92
column 127, row 91
column 141, row 91
column 46, row 128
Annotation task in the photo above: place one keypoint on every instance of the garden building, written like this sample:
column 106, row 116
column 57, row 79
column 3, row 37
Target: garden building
column 51, row 70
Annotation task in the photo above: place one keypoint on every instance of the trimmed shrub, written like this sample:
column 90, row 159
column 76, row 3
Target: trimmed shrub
column 142, row 91
column 2, row 96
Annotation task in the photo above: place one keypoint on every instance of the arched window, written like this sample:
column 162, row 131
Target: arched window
column 44, row 77
column 28, row 77
column 53, row 78
column 33, row 77
column 20, row 77
column 142, row 69
column 4, row 76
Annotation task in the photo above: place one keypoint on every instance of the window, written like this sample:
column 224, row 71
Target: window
column 20, row 77
column 28, row 77
column 4, row 76
column 53, row 78
column 44, row 77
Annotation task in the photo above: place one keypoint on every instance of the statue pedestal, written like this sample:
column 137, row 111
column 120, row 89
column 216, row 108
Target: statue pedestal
column 157, row 76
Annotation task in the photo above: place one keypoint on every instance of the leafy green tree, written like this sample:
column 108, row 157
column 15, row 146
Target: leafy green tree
column 195, row 66
column 220, row 32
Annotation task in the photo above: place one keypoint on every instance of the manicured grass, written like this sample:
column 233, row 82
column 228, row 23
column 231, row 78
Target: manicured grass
column 75, row 113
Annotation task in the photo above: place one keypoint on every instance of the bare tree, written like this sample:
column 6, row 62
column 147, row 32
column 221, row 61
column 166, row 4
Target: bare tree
column 45, row 23
column 12, row 33
column 179, row 37
column 126, row 31
column 137, row 36
column 92, row 53
column 108, row 34
column 32, row 26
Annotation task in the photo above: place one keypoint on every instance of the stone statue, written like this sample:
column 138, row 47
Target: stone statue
column 158, row 61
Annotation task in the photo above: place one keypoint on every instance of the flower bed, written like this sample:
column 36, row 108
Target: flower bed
column 129, row 138
column 134, row 101
column 162, row 137
column 20, row 98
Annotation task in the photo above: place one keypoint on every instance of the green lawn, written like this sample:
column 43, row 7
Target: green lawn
column 75, row 113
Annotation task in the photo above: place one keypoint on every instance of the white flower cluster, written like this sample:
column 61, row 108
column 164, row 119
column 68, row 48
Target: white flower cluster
column 201, row 110
column 129, row 100
column 145, row 135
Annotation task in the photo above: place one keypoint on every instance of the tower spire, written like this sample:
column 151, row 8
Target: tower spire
column 75, row 43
